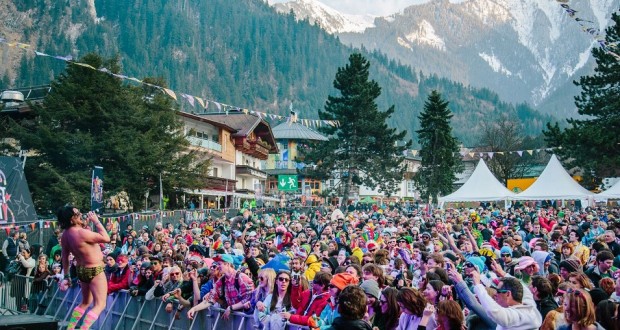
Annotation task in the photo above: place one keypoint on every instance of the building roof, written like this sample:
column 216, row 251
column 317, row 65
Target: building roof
column 296, row 131
column 242, row 123
column 206, row 120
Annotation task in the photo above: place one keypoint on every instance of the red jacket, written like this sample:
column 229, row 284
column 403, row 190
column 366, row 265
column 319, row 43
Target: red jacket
column 119, row 281
column 315, row 308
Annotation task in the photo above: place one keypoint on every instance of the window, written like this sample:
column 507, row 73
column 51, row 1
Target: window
column 410, row 186
column 215, row 172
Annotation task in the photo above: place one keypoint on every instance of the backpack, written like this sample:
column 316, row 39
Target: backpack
column 14, row 268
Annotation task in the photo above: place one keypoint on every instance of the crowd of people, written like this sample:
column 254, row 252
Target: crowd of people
column 380, row 268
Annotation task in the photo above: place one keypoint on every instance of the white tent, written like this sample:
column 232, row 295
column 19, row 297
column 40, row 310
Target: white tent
column 612, row 193
column 554, row 183
column 481, row 186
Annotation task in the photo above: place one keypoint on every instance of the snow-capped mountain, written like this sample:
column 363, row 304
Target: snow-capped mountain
column 329, row 19
column 525, row 50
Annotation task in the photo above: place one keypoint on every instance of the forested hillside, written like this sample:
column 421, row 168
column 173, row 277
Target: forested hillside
column 236, row 52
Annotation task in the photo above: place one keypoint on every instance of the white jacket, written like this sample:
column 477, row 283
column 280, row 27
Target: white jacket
column 519, row 317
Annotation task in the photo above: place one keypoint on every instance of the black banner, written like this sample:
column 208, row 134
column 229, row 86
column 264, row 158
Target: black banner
column 15, row 200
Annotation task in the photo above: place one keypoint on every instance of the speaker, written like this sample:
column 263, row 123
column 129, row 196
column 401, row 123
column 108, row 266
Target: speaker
column 27, row 322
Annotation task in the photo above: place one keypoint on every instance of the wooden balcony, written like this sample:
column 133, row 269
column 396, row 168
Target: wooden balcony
column 217, row 183
column 252, row 148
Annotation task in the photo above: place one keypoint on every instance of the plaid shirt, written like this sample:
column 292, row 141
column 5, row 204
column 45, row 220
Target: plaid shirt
column 231, row 294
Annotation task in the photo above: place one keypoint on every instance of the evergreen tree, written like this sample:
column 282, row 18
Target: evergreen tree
column 592, row 143
column 91, row 118
column 439, row 149
column 362, row 149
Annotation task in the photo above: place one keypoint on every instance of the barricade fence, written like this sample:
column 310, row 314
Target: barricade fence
column 122, row 312
column 39, row 232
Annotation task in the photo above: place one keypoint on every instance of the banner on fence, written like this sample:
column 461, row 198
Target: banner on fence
column 15, row 201
column 96, row 189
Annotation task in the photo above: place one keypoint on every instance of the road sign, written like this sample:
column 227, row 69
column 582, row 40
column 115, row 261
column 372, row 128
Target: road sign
column 287, row 182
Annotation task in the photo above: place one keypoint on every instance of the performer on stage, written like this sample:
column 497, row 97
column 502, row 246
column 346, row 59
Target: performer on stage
column 83, row 243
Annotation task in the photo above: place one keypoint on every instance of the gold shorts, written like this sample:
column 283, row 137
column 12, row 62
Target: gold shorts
column 86, row 274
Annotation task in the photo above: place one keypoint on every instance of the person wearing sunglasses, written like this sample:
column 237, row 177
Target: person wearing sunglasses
column 266, row 280
column 167, row 287
column 579, row 310
column 389, row 312
column 84, row 245
column 512, row 307
column 279, row 301
column 120, row 278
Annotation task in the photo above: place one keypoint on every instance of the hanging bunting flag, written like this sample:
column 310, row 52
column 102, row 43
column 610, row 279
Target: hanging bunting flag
column 200, row 101
column 170, row 93
column 189, row 99
column 491, row 155
column 84, row 65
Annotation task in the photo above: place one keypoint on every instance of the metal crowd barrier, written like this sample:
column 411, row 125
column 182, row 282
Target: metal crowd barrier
column 123, row 311
column 40, row 231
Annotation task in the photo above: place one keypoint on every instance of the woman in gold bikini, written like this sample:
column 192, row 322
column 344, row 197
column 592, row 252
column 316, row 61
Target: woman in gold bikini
column 83, row 243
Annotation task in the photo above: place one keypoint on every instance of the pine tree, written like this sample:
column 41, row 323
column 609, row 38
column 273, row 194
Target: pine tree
column 362, row 149
column 439, row 149
column 91, row 118
column 592, row 143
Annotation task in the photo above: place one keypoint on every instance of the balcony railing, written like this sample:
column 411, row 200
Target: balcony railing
column 203, row 143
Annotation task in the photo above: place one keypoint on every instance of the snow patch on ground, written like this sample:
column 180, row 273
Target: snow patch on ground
column 495, row 63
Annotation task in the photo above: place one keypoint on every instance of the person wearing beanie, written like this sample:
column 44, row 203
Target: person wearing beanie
column 373, row 293
column 507, row 261
column 336, row 285
column 477, row 263
column 568, row 266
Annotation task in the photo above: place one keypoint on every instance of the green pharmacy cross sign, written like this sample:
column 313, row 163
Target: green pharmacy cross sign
column 287, row 182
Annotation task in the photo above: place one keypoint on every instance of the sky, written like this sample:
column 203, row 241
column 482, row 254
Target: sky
column 372, row 7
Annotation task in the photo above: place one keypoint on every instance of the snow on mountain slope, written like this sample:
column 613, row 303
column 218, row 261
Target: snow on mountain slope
column 495, row 63
column 425, row 35
column 331, row 20
column 525, row 50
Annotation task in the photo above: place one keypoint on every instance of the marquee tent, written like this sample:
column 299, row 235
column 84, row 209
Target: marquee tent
column 554, row 183
column 482, row 186
column 612, row 193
